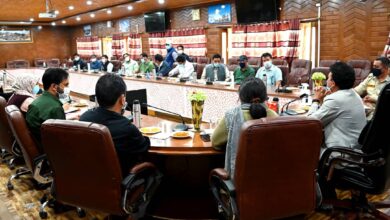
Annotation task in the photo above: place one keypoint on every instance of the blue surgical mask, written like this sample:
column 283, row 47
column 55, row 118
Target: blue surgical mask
column 216, row 65
column 168, row 47
column 35, row 89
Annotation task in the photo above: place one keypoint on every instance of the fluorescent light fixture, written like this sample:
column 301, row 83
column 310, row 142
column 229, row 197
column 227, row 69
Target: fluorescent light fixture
column 71, row 7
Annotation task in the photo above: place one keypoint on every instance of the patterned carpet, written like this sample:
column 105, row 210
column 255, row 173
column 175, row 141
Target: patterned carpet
column 23, row 203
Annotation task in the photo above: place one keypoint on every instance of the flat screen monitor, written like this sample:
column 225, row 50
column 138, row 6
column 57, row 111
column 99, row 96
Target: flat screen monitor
column 255, row 11
column 156, row 21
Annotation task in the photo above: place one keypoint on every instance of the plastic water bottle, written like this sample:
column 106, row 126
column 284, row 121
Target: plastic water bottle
column 89, row 67
column 194, row 77
column 232, row 81
column 147, row 75
column 4, row 80
column 137, row 113
column 265, row 79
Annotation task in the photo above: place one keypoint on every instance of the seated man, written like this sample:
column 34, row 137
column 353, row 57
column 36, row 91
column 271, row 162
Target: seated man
column 272, row 72
column 184, row 69
column 146, row 65
column 340, row 110
column 107, row 66
column 48, row 105
column 162, row 68
column 95, row 64
column 129, row 143
column 216, row 71
column 374, row 83
column 180, row 50
column 78, row 63
column 243, row 71
column 129, row 66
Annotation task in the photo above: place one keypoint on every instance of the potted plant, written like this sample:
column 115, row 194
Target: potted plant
column 197, row 99
column 318, row 78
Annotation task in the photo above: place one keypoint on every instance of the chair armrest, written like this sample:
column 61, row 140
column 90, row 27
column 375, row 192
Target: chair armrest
column 42, row 172
column 137, row 170
column 221, row 173
column 39, row 159
column 141, row 167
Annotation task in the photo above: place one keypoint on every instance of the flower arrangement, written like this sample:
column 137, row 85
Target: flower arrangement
column 197, row 96
column 318, row 77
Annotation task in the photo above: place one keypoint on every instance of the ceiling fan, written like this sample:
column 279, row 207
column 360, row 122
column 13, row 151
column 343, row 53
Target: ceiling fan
column 50, row 12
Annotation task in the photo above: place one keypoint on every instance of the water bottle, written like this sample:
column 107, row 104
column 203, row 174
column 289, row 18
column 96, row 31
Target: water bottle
column 194, row 77
column 78, row 67
column 4, row 80
column 265, row 79
column 44, row 65
column 137, row 113
column 147, row 75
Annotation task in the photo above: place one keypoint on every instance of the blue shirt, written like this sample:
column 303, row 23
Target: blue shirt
column 97, row 65
column 274, row 74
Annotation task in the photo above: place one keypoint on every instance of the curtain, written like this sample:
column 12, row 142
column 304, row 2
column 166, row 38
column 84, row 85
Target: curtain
column 386, row 51
column 280, row 38
column 194, row 41
column 118, row 45
column 107, row 46
column 134, row 43
column 87, row 46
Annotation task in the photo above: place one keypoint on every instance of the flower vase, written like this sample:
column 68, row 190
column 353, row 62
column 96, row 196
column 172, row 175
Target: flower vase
column 318, row 83
column 197, row 112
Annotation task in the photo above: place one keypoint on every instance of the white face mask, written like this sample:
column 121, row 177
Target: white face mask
column 127, row 59
column 142, row 60
column 180, row 51
column 77, row 58
column 268, row 64
column 181, row 65
column 66, row 91
column 104, row 60
column 93, row 59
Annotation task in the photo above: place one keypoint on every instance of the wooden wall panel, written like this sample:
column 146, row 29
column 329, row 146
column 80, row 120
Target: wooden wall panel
column 50, row 42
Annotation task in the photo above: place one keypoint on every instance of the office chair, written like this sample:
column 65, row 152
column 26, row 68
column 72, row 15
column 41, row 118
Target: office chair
column 87, row 172
column 275, row 170
column 7, row 140
column 366, row 171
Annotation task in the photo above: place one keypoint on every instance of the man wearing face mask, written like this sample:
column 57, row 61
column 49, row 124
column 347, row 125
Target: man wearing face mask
column 184, row 69
column 374, row 83
column 171, row 54
column 146, row 65
column 243, row 71
column 77, row 61
column 107, row 66
column 131, row 146
column 216, row 71
column 273, row 73
column 95, row 64
column 48, row 105
column 162, row 68
column 129, row 66
column 339, row 109
column 180, row 51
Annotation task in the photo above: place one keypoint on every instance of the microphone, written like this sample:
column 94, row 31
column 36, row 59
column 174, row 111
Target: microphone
column 178, row 127
column 285, row 106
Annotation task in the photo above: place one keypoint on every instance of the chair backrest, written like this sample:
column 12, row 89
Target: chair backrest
column 53, row 63
column 275, row 167
column 38, row 62
column 193, row 59
column 22, row 135
column 85, row 165
column 300, row 72
column 362, row 69
column 21, row 64
column 6, row 136
column 327, row 63
column 203, row 60
column 279, row 62
column 199, row 70
column 232, row 67
column 254, row 62
column 375, row 140
column 117, row 65
column 10, row 64
column 233, row 61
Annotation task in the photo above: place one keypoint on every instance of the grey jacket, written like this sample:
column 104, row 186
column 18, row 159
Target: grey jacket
column 343, row 117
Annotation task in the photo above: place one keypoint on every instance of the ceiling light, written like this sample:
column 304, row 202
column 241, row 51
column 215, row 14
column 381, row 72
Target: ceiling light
column 129, row 7
column 56, row 12
column 109, row 11
column 92, row 15
column 21, row 22
column 71, row 7
column 78, row 18
column 31, row 19
column 53, row 23
column 89, row 2
column 39, row 27
column 63, row 21
column 161, row 1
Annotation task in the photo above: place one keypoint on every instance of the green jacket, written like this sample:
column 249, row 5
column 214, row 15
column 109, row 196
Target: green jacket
column 146, row 67
column 44, row 107
column 240, row 75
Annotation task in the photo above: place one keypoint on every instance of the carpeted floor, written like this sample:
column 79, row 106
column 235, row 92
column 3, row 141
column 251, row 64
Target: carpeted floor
column 23, row 203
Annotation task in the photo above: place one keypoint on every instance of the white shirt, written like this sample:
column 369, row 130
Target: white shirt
column 183, row 72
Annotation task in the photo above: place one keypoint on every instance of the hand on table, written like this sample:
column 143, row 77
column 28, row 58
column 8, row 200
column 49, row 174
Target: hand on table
column 368, row 99
column 66, row 106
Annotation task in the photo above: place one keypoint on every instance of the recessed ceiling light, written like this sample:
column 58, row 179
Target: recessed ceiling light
column 89, row 2
column 78, row 18
column 129, row 7
column 56, row 12
column 71, row 7
column 31, row 19
column 53, row 23
column 92, row 15
column 39, row 27
column 161, row 1
column 109, row 11
column 63, row 21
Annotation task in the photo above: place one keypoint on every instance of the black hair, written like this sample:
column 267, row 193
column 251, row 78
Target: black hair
column 254, row 92
column 93, row 55
column 105, row 56
column 108, row 89
column 181, row 59
column 182, row 47
column 216, row 56
column 125, row 54
column 144, row 55
column 53, row 75
column 76, row 54
column 343, row 75
column 266, row 55
column 384, row 60
column 158, row 57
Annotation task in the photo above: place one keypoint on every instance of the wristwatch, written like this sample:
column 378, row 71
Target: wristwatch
column 316, row 100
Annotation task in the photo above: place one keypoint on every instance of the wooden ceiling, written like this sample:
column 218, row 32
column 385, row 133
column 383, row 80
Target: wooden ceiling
column 24, row 10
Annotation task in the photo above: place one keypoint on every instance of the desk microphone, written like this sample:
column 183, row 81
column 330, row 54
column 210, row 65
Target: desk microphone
column 291, row 112
column 178, row 127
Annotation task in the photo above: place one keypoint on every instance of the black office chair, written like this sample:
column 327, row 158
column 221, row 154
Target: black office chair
column 366, row 171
